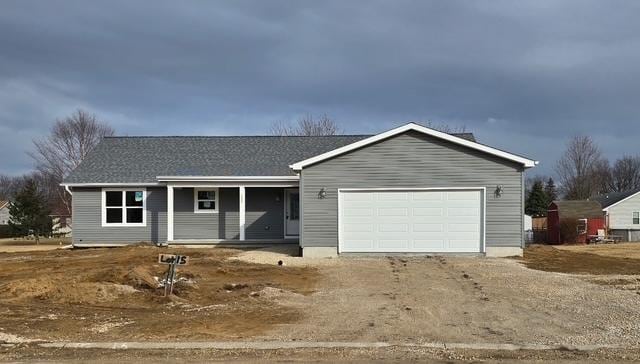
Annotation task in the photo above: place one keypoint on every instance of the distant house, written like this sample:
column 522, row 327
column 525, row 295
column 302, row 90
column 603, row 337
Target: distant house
column 4, row 212
column 588, row 214
column 622, row 213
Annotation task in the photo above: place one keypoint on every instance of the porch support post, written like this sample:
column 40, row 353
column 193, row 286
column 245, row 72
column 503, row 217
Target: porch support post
column 242, row 211
column 169, row 213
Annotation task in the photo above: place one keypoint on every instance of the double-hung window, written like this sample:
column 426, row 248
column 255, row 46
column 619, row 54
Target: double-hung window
column 636, row 218
column 205, row 200
column 124, row 207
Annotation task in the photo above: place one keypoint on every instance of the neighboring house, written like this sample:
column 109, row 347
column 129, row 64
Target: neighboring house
column 528, row 223
column 622, row 212
column 587, row 213
column 408, row 190
column 60, row 222
column 4, row 212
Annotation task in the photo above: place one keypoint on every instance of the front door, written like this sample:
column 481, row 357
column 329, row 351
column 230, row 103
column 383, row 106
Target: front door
column 291, row 212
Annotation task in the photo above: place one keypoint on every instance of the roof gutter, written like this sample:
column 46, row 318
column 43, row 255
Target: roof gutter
column 228, row 178
column 111, row 184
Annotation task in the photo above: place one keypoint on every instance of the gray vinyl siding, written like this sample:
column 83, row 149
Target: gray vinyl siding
column 189, row 225
column 264, row 213
column 621, row 215
column 87, row 219
column 413, row 160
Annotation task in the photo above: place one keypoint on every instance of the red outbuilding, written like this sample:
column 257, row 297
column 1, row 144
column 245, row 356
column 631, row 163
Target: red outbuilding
column 588, row 215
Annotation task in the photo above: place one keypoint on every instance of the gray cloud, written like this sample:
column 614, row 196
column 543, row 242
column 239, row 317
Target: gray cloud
column 522, row 75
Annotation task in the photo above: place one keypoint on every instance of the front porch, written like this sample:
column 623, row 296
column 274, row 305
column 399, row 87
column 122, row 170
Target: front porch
column 222, row 213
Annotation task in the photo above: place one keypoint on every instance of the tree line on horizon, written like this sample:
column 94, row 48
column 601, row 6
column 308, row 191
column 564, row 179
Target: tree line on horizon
column 583, row 173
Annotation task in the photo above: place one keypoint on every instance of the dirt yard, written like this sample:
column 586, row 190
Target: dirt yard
column 550, row 296
column 585, row 259
column 113, row 294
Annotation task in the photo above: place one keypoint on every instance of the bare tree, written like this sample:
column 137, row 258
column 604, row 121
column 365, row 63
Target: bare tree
column 307, row 126
column 581, row 169
column 71, row 139
column 625, row 174
column 446, row 128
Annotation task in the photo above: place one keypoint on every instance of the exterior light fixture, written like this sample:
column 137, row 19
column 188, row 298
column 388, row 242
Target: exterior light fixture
column 322, row 194
column 499, row 190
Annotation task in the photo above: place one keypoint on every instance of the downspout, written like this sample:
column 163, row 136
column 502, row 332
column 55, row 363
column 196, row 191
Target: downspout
column 68, row 189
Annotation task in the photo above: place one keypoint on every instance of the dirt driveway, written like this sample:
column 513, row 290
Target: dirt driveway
column 455, row 299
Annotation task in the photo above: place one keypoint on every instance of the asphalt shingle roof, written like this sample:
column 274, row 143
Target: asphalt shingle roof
column 578, row 209
column 142, row 159
column 609, row 199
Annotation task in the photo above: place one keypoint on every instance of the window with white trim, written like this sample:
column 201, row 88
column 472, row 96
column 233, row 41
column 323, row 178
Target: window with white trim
column 636, row 218
column 124, row 207
column 582, row 226
column 205, row 200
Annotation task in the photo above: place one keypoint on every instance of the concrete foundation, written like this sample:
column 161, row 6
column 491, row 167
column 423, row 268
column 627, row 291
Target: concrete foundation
column 503, row 251
column 319, row 252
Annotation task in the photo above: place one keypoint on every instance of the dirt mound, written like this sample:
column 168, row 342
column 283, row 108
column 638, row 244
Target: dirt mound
column 66, row 292
column 142, row 278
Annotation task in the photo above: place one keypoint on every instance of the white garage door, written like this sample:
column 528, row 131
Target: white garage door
column 410, row 221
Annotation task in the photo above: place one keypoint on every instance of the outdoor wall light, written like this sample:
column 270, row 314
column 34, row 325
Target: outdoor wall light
column 498, row 192
column 323, row 193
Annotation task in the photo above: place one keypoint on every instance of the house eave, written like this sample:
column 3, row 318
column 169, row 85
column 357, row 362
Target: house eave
column 228, row 178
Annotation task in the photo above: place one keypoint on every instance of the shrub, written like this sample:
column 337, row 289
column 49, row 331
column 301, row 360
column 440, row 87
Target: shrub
column 568, row 230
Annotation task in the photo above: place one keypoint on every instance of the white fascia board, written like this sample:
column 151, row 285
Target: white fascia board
column 111, row 184
column 527, row 163
column 619, row 202
column 227, row 178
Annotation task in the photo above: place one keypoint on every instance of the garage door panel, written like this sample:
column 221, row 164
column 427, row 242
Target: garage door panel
column 428, row 228
column 393, row 244
column 392, row 196
column 359, row 228
column 361, row 245
column 358, row 211
column 358, row 196
column 427, row 211
column 463, row 211
column 428, row 245
column 393, row 228
column 462, row 195
column 456, row 228
column 430, row 196
column 410, row 221
column 398, row 211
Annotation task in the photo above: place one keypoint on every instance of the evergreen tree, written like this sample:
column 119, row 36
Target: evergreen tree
column 28, row 213
column 551, row 190
column 537, row 201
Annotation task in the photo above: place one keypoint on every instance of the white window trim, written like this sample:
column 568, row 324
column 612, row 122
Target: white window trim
column 124, row 207
column 216, row 201
column 586, row 227
column 633, row 213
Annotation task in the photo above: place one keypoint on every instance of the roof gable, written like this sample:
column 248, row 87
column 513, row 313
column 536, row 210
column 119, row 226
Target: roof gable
column 610, row 199
column 527, row 163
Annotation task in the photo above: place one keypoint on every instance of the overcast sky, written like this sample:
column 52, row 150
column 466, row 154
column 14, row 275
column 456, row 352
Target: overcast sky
column 524, row 76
